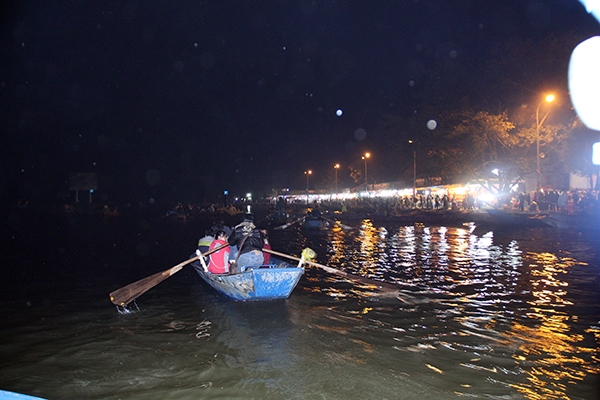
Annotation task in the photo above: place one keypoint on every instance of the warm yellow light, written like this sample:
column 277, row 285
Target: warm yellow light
column 336, row 166
column 550, row 98
column 309, row 172
column 367, row 155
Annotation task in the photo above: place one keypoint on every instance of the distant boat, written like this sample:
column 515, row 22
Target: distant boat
column 515, row 218
column 315, row 224
column 583, row 221
column 276, row 280
column 278, row 218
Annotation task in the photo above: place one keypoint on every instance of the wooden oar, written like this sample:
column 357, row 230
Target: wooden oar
column 129, row 293
column 384, row 286
column 265, row 218
column 289, row 224
column 334, row 222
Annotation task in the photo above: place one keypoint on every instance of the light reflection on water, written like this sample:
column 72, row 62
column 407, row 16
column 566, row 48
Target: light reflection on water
column 496, row 296
column 490, row 314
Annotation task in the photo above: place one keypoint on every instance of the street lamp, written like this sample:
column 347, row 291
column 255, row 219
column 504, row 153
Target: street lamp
column 414, row 171
column 367, row 155
column 548, row 99
column 336, row 167
column 307, row 173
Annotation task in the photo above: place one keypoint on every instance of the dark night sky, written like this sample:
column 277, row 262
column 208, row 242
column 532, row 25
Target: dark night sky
column 238, row 95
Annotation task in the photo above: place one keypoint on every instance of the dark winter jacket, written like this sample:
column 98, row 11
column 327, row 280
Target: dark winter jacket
column 255, row 240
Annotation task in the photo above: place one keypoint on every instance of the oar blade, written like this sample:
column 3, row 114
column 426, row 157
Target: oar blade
column 285, row 226
column 334, row 222
column 127, row 294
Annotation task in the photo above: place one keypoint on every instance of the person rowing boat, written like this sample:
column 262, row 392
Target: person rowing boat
column 249, row 241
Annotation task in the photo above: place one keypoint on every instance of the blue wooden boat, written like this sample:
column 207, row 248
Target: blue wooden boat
column 315, row 224
column 6, row 395
column 276, row 280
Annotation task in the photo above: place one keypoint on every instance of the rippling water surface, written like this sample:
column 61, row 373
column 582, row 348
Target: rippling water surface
column 482, row 313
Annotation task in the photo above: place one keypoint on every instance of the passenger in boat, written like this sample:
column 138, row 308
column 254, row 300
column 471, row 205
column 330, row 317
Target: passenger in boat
column 280, row 207
column 210, row 236
column 533, row 207
column 221, row 226
column 315, row 213
column 219, row 260
column 267, row 245
column 249, row 241
column 344, row 208
column 206, row 240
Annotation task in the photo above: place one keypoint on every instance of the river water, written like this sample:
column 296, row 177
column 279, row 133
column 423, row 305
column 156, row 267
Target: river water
column 482, row 313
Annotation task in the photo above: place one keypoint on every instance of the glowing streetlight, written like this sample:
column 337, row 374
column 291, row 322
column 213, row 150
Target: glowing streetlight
column 336, row 167
column 548, row 99
column 367, row 155
column 414, row 171
column 307, row 173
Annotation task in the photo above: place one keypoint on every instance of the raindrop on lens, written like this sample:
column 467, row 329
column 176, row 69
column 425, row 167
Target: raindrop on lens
column 360, row 134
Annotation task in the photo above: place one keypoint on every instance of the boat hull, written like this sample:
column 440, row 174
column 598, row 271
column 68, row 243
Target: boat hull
column 583, row 222
column 269, row 282
column 516, row 219
column 315, row 225
column 6, row 395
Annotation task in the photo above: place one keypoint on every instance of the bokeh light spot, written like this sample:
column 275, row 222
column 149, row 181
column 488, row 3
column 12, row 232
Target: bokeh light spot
column 360, row 134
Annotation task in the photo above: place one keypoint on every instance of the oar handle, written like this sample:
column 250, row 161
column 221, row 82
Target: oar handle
column 178, row 267
column 382, row 285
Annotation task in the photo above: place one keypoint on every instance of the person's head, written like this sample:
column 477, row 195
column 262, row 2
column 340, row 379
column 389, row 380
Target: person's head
column 218, row 226
column 249, row 217
column 220, row 235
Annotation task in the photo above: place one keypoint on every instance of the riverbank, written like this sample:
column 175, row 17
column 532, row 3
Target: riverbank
column 265, row 213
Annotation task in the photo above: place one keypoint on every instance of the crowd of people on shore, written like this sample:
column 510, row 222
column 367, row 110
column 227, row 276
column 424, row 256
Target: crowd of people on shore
column 389, row 205
column 571, row 201
column 566, row 201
